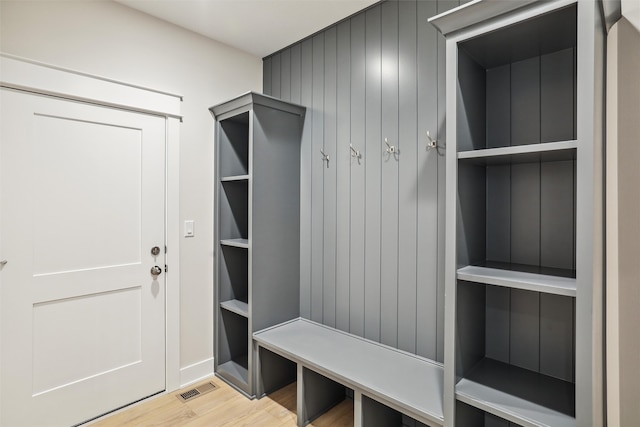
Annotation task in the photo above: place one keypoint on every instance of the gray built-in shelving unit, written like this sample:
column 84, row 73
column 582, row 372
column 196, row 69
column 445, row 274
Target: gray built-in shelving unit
column 523, row 313
column 257, row 226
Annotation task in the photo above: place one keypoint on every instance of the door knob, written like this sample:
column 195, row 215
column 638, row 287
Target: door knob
column 156, row 271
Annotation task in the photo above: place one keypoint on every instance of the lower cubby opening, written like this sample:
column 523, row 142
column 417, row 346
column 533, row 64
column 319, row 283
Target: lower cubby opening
column 233, row 348
column 516, row 348
column 233, row 274
column 376, row 414
column 320, row 395
column 468, row 416
column 275, row 371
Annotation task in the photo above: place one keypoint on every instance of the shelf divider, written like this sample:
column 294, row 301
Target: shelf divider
column 236, row 306
column 546, row 151
column 519, row 280
column 234, row 178
column 238, row 243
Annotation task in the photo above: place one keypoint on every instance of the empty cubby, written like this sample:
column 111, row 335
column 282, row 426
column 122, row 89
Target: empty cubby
column 518, row 342
column 233, row 209
column 517, row 85
column 468, row 416
column 376, row 414
column 233, row 347
column 233, row 146
column 233, row 274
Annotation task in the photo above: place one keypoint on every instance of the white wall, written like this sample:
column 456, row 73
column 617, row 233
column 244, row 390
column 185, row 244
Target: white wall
column 110, row 40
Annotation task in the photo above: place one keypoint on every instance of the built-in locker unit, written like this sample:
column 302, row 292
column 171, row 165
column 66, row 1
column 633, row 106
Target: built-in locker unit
column 257, row 227
column 523, row 309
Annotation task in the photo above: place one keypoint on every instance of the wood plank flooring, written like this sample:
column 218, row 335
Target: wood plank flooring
column 226, row 407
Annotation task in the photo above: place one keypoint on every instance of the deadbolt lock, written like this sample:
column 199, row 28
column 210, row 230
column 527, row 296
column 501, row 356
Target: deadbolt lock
column 155, row 251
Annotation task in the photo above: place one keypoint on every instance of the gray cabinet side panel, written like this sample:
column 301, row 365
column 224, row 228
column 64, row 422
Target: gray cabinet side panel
column 275, row 75
column 408, row 175
column 557, row 226
column 499, row 213
column 499, row 106
column 497, row 323
column 266, row 76
column 329, row 186
column 285, row 75
column 525, row 102
column 306, row 158
column 275, row 219
column 317, row 179
column 374, row 144
column 525, row 213
column 471, row 221
column 389, row 177
column 525, row 329
column 471, row 125
column 428, row 280
column 343, row 165
column 557, row 336
column 295, row 74
column 470, row 326
column 357, row 189
column 557, row 96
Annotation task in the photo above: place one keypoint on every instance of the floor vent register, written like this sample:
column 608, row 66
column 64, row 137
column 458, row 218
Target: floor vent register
column 198, row 391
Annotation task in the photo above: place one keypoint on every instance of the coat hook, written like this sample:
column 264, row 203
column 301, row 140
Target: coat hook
column 325, row 157
column 391, row 149
column 355, row 153
column 431, row 143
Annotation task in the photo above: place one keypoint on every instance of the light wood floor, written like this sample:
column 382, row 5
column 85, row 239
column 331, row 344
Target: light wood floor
column 225, row 407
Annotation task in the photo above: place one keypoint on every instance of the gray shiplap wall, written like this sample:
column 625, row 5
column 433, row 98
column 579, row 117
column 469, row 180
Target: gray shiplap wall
column 372, row 232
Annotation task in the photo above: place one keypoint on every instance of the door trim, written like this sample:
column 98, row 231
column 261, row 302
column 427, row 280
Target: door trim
column 32, row 76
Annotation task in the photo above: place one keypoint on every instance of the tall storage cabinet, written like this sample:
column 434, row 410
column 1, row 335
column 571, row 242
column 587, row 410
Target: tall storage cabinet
column 523, row 340
column 257, row 226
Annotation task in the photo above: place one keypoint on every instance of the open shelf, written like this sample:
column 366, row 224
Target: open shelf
column 233, row 209
column 235, row 369
column 233, row 145
column 234, row 178
column 543, row 152
column 233, row 349
column 557, row 285
column 236, row 306
column 518, row 395
column 237, row 243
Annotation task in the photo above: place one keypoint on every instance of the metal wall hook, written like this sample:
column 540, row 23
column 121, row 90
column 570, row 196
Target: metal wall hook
column 431, row 143
column 325, row 157
column 355, row 153
column 391, row 149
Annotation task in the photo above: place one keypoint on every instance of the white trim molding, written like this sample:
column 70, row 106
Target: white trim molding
column 196, row 372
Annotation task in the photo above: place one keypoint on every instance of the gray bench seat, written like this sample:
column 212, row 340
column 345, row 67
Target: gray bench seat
column 406, row 383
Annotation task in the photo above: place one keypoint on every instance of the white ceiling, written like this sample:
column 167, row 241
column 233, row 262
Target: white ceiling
column 260, row 27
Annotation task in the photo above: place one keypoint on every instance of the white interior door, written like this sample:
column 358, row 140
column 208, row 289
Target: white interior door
column 82, row 204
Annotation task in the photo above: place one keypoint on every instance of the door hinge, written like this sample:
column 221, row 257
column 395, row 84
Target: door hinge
column 166, row 269
column 165, row 249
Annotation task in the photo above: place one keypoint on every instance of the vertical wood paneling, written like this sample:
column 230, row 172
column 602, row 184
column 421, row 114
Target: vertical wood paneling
column 497, row 323
column 285, row 75
column 329, row 174
column 389, row 195
column 266, row 76
column 427, row 258
column 499, row 106
column 525, row 102
column 498, row 231
column 525, row 213
column 317, row 180
column 295, row 74
column 306, row 70
column 556, row 96
column 275, row 75
column 524, row 342
column 357, row 190
column 408, row 175
column 373, row 182
column 556, row 336
column 557, row 226
column 343, row 165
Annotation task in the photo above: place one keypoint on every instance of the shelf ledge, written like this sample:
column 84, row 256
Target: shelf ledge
column 237, row 243
column 549, row 151
column 234, row 178
column 519, row 280
column 236, row 306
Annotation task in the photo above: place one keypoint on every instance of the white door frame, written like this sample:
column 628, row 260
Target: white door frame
column 23, row 74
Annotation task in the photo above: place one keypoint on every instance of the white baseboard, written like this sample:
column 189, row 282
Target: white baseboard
column 196, row 372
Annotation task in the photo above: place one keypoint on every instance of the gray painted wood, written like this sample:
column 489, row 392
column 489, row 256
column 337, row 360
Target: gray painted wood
column 389, row 191
column 306, row 158
column 296, row 63
column 375, row 414
column 498, row 238
column 266, row 75
column 285, row 75
column 373, row 178
column 319, row 395
column 471, row 326
column 471, row 124
column 358, row 176
column 557, row 96
column 499, row 106
column 276, row 75
column 557, row 225
column 498, row 301
column 524, row 342
column 330, row 178
column 471, row 221
column 525, row 213
column 317, row 179
column 408, row 175
column 556, row 336
column 343, row 166
column 525, row 102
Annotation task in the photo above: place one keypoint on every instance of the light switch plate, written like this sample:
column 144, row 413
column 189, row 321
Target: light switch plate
column 188, row 228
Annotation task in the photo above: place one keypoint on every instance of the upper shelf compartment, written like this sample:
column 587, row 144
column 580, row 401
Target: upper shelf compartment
column 517, row 85
column 233, row 146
